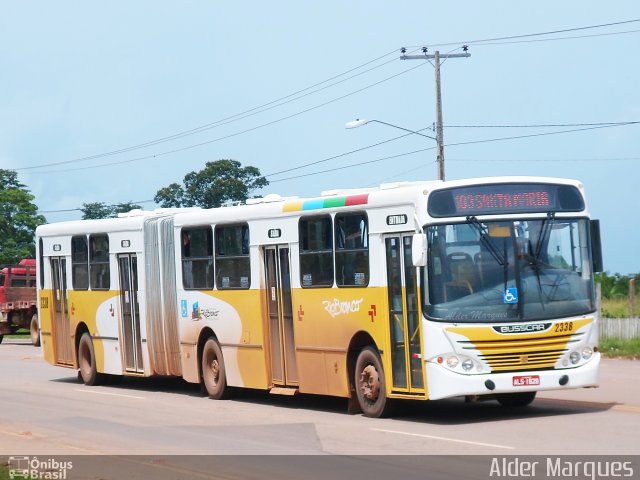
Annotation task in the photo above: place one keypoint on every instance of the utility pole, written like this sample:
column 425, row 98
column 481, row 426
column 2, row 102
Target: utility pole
column 436, row 58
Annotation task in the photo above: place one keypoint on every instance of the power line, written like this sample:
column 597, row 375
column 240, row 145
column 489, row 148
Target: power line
column 188, row 147
column 341, row 154
column 551, row 160
column 574, row 37
column 532, row 135
column 274, row 103
column 602, row 124
column 528, row 35
column 498, row 139
column 368, row 162
column 344, row 167
column 233, row 118
column 542, row 125
column 338, row 155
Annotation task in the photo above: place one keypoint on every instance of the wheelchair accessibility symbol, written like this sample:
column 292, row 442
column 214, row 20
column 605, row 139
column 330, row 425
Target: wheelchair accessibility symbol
column 510, row 295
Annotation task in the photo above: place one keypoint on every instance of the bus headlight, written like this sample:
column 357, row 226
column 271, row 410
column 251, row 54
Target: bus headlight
column 587, row 352
column 467, row 364
column 458, row 363
column 574, row 357
column 452, row 362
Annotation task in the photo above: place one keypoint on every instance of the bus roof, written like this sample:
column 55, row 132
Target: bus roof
column 128, row 222
column 274, row 205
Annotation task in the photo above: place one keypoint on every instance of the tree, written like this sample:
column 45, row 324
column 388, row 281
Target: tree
column 95, row 210
column 18, row 219
column 217, row 183
column 616, row 286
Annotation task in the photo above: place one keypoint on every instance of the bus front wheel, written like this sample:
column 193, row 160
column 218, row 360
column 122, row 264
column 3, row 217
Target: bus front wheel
column 370, row 383
column 87, row 361
column 519, row 399
column 213, row 371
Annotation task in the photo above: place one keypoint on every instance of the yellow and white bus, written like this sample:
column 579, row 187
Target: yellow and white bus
column 416, row 290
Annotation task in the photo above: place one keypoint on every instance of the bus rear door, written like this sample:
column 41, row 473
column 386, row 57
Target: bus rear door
column 130, row 308
column 284, row 371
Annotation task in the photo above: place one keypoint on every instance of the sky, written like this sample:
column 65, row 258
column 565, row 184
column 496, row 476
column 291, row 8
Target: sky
column 111, row 101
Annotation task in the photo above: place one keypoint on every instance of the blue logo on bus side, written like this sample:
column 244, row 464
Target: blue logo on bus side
column 510, row 295
column 183, row 307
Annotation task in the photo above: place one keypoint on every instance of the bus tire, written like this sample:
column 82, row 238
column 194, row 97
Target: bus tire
column 514, row 400
column 88, row 372
column 370, row 383
column 214, row 376
column 1, row 337
column 33, row 328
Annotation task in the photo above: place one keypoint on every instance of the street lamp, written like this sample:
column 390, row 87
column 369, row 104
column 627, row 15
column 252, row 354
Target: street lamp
column 358, row 123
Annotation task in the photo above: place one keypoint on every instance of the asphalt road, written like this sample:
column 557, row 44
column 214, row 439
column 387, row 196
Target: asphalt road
column 46, row 411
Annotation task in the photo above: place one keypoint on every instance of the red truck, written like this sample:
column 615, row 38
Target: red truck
column 18, row 299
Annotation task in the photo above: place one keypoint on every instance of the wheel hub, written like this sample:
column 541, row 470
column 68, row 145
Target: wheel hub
column 215, row 370
column 370, row 383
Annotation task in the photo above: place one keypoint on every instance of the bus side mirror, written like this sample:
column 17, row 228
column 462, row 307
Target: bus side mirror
column 419, row 250
column 596, row 246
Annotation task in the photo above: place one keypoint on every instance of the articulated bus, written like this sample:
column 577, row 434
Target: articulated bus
column 419, row 290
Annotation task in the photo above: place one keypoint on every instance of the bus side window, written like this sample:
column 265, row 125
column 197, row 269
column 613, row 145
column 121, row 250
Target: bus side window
column 233, row 264
column 79, row 263
column 99, row 270
column 316, row 252
column 352, row 250
column 197, row 258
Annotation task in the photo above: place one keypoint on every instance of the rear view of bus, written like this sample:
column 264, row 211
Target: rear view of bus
column 508, row 296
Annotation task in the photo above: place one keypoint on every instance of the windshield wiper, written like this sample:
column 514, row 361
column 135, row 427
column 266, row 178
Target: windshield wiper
column 534, row 262
column 488, row 242
column 545, row 231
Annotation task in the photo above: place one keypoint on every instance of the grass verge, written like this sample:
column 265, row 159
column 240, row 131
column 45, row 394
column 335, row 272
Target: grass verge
column 616, row 308
column 4, row 472
column 22, row 333
column 612, row 348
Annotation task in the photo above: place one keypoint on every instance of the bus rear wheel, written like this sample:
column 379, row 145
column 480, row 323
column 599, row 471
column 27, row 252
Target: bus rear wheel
column 370, row 383
column 513, row 400
column 87, row 361
column 33, row 328
column 213, row 372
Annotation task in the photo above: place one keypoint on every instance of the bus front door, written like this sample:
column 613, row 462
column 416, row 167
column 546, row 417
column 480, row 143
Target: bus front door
column 404, row 320
column 61, row 326
column 284, row 371
column 130, row 308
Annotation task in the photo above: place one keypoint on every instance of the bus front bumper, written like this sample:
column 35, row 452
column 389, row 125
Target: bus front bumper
column 444, row 383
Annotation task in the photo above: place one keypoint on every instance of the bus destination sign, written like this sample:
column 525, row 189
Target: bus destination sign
column 504, row 199
column 497, row 200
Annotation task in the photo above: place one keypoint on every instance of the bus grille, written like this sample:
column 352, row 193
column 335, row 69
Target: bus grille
column 537, row 353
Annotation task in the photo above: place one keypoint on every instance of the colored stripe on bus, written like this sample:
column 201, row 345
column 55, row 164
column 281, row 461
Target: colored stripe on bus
column 332, row 202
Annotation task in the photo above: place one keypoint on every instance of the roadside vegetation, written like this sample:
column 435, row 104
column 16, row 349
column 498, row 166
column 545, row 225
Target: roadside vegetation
column 615, row 294
column 613, row 348
column 4, row 471
column 616, row 308
column 19, row 334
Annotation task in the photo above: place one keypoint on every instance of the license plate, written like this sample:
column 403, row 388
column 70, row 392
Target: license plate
column 526, row 381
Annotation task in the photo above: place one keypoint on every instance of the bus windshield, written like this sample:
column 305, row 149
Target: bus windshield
column 517, row 270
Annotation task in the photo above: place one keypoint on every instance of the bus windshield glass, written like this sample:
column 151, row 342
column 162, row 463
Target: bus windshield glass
column 518, row 270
